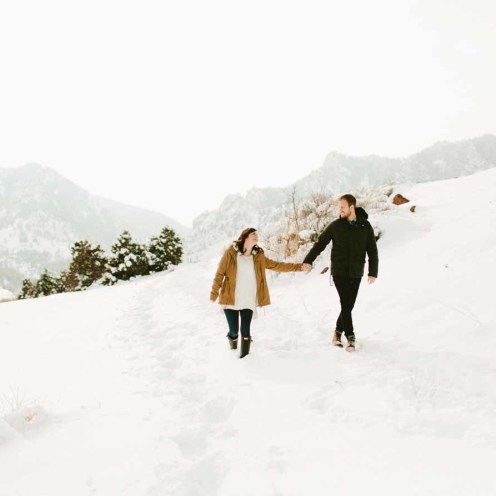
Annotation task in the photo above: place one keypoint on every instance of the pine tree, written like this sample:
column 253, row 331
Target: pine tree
column 47, row 285
column 28, row 290
column 165, row 250
column 129, row 260
column 88, row 265
column 69, row 281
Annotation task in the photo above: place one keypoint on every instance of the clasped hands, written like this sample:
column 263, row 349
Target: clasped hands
column 308, row 267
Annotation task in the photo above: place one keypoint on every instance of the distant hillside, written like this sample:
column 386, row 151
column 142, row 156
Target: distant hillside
column 42, row 214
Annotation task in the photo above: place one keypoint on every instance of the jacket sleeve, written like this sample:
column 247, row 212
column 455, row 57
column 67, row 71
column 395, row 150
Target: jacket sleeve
column 282, row 266
column 219, row 277
column 372, row 253
column 324, row 239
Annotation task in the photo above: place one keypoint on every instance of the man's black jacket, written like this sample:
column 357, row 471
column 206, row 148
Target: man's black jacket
column 350, row 242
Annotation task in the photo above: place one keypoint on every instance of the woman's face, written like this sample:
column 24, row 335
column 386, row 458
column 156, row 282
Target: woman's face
column 253, row 238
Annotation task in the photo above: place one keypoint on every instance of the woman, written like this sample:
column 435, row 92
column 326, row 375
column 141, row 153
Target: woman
column 241, row 280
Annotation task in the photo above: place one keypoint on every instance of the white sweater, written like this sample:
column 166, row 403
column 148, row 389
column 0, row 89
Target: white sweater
column 245, row 295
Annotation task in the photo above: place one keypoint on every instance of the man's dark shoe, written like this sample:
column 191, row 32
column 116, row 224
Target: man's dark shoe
column 336, row 339
column 233, row 343
column 245, row 347
column 351, row 343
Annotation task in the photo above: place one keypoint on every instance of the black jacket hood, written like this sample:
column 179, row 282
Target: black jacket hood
column 360, row 212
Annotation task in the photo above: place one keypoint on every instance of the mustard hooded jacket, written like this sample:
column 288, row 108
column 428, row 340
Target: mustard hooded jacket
column 225, row 277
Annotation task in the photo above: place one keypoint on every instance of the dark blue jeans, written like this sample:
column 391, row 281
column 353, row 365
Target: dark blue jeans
column 348, row 290
column 233, row 317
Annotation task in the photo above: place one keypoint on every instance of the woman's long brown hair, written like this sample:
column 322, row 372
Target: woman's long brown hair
column 240, row 242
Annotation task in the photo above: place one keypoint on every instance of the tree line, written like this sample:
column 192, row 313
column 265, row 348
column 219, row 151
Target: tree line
column 90, row 264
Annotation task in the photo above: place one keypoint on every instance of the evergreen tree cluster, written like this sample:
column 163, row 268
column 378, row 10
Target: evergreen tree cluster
column 90, row 265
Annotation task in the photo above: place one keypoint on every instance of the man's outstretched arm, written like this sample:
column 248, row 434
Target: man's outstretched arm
column 324, row 239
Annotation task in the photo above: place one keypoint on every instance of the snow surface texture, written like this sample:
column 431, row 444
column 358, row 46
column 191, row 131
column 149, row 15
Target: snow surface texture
column 132, row 390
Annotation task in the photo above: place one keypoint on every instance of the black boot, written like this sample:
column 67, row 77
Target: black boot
column 245, row 347
column 233, row 343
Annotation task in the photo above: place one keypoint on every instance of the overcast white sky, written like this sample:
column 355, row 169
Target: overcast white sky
column 171, row 105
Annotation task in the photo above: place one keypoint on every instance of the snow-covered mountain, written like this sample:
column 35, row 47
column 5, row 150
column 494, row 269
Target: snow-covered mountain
column 132, row 390
column 341, row 173
column 42, row 214
column 444, row 160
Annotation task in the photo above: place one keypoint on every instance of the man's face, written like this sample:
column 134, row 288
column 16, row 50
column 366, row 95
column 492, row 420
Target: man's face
column 345, row 210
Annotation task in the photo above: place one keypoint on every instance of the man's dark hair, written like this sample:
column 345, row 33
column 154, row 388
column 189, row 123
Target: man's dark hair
column 349, row 199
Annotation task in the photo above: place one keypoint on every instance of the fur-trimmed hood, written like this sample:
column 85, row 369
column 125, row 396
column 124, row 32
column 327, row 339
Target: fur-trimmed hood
column 256, row 249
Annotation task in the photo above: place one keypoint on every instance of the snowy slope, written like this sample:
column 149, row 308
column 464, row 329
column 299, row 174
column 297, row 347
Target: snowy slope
column 132, row 390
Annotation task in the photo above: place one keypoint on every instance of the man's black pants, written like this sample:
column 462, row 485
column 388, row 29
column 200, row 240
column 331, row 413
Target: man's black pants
column 348, row 290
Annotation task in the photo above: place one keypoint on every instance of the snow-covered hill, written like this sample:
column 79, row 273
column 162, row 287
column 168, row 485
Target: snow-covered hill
column 42, row 214
column 132, row 390
column 341, row 173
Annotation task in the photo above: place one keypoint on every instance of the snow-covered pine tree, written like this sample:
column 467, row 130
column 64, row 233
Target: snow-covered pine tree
column 70, row 281
column 28, row 290
column 47, row 285
column 165, row 250
column 129, row 259
column 88, row 264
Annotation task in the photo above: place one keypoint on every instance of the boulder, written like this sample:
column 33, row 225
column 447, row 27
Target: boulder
column 399, row 199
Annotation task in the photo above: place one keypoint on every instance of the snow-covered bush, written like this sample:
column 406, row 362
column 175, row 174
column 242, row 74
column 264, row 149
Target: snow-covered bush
column 19, row 412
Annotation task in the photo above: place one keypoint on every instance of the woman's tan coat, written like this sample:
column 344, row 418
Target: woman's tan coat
column 225, row 277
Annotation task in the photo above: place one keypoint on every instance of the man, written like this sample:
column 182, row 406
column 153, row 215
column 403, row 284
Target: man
column 352, row 236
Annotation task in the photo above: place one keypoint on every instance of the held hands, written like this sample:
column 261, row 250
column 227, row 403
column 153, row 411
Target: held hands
column 372, row 279
column 306, row 267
